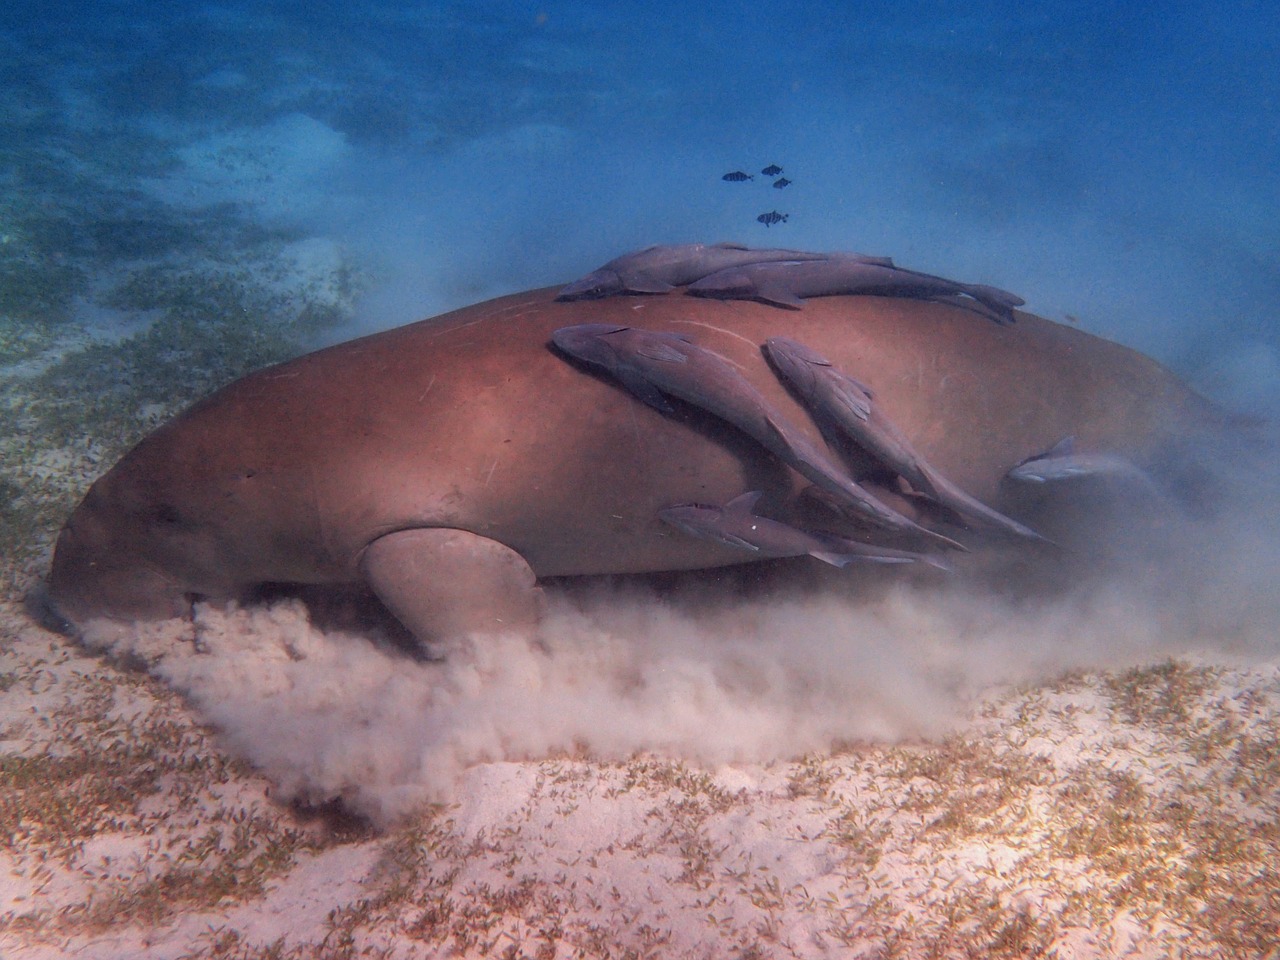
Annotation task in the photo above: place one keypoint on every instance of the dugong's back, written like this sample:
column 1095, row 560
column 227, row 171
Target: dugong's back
column 468, row 422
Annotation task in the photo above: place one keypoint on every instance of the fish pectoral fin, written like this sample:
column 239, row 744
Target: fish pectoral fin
column 779, row 296
column 731, row 540
column 852, row 396
column 644, row 283
column 840, row 560
column 645, row 391
column 662, row 353
column 843, row 560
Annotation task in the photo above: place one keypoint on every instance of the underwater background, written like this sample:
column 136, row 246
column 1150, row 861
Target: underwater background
column 189, row 192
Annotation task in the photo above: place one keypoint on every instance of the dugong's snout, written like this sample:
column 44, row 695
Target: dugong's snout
column 98, row 572
column 41, row 608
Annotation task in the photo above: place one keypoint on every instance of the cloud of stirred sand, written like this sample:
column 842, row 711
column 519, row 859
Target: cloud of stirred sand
column 711, row 673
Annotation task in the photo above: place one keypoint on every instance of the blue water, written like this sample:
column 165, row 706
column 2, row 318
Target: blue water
column 1115, row 167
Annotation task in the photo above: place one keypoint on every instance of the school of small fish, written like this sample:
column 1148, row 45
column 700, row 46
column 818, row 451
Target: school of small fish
column 772, row 170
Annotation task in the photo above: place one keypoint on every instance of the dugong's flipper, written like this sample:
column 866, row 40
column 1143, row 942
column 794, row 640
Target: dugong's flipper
column 443, row 583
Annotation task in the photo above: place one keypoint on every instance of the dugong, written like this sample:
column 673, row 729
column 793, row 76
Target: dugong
column 450, row 464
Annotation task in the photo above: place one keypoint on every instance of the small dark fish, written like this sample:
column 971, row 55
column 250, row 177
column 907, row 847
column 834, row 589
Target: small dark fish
column 781, row 182
column 737, row 176
column 772, row 217
column 772, row 170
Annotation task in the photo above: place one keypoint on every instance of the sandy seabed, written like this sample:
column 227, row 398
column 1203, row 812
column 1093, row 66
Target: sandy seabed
column 1123, row 813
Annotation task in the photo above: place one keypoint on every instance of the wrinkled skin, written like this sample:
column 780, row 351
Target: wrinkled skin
column 447, row 463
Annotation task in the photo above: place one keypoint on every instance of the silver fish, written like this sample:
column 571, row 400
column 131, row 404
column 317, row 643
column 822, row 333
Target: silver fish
column 654, row 365
column 844, row 407
column 660, row 269
column 786, row 283
column 1062, row 464
column 737, row 525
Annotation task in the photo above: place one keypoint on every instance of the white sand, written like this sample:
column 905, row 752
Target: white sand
column 1102, row 815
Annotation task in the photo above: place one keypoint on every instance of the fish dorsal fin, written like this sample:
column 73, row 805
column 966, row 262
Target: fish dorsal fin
column 729, row 245
column 987, row 292
column 644, row 283
column 868, row 259
column 643, row 390
column 1063, row 448
column 744, row 503
column 778, row 295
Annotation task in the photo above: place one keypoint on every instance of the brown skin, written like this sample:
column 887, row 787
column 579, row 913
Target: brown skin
column 468, row 422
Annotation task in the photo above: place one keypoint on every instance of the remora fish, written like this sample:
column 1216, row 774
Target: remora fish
column 1062, row 464
column 737, row 176
column 842, row 405
column 786, row 284
column 651, row 364
column 772, row 217
column 772, row 170
column 737, row 525
column 659, row 269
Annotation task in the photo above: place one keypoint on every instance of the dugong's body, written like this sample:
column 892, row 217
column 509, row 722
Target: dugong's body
column 448, row 463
